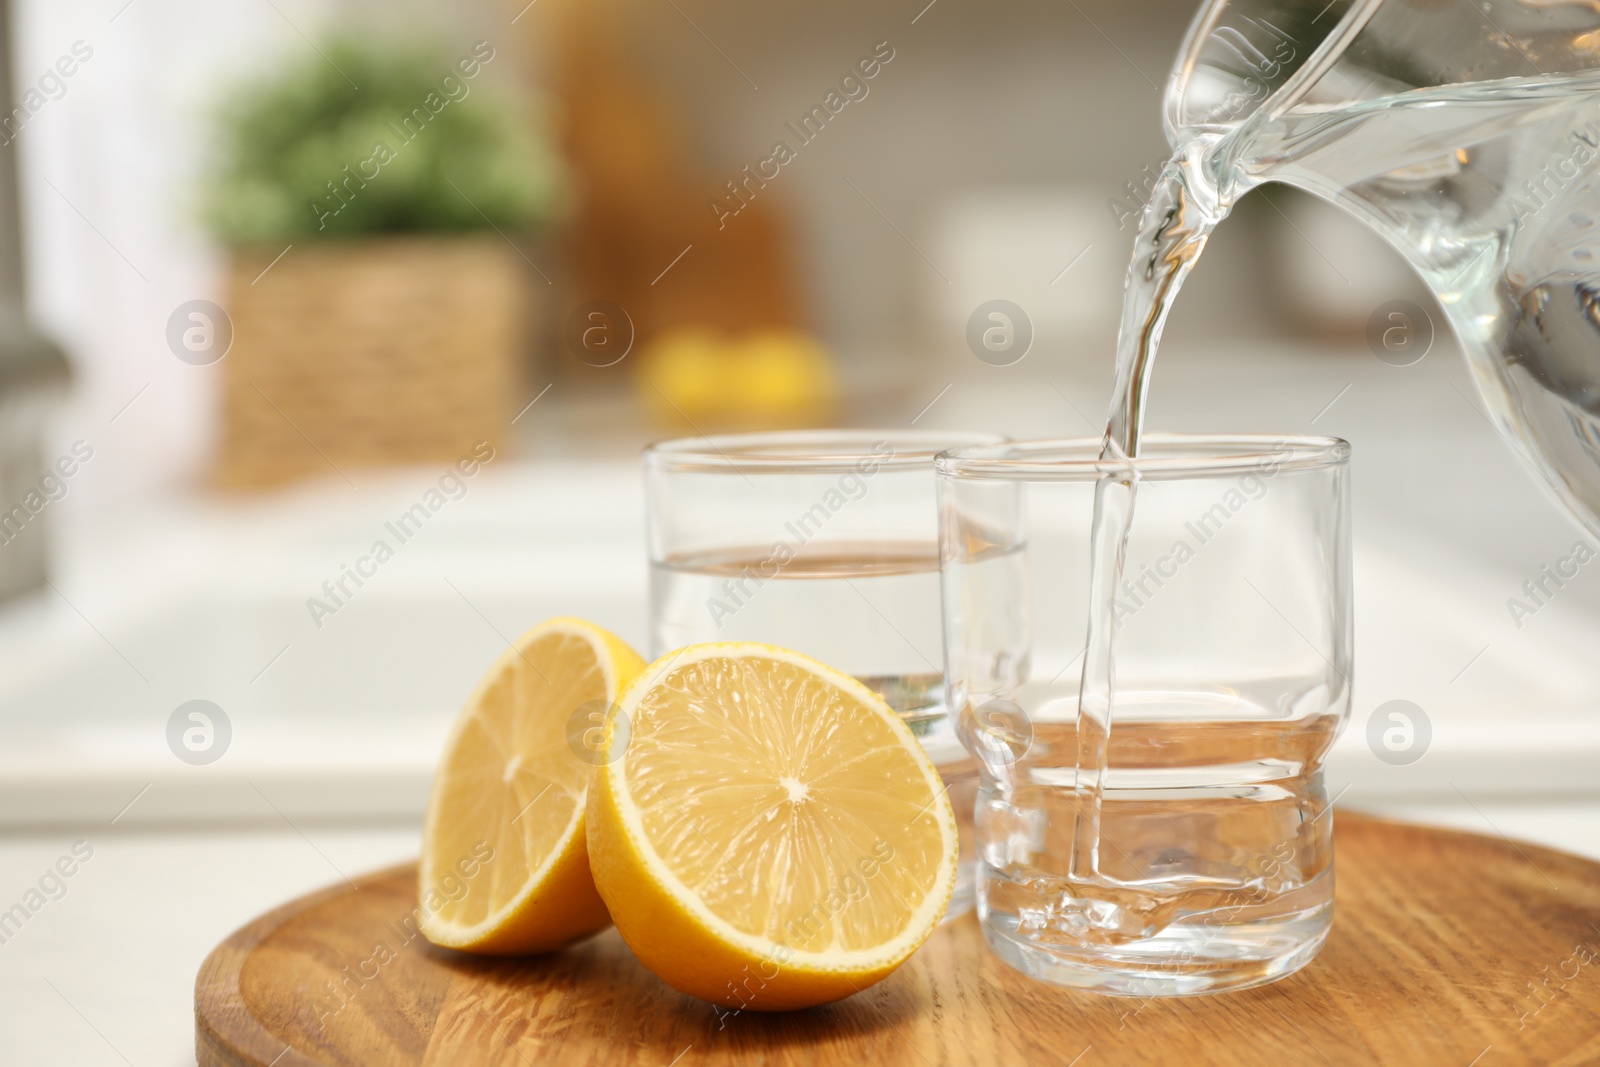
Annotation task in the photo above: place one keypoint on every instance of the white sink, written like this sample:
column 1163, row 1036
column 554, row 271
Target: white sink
column 334, row 716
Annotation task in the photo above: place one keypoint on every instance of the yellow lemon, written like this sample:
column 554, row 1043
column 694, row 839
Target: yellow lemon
column 786, row 378
column 765, row 831
column 683, row 376
column 505, row 866
column 770, row 378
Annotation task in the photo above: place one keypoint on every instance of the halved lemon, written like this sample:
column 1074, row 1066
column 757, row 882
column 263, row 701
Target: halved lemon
column 505, row 865
column 766, row 832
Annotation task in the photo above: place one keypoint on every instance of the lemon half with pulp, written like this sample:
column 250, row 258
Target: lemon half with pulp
column 505, row 865
column 766, row 832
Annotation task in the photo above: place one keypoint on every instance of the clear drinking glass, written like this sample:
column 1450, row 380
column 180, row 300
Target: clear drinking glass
column 822, row 541
column 1210, row 863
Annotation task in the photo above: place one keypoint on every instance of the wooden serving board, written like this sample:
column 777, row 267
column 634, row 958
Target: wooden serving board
column 1447, row 948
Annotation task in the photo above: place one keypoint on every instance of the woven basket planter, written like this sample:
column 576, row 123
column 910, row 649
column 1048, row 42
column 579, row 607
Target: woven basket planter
column 383, row 351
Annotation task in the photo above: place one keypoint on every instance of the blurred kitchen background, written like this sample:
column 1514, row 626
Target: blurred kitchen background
column 579, row 237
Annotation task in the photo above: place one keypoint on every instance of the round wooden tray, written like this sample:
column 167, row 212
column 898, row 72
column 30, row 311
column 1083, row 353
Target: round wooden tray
column 1447, row 948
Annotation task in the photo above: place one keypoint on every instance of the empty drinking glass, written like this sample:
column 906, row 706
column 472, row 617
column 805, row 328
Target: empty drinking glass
column 1189, row 850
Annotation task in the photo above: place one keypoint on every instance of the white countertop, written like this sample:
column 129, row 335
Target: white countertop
column 105, row 974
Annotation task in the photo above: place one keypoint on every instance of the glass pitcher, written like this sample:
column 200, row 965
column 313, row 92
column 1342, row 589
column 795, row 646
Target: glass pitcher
column 1467, row 133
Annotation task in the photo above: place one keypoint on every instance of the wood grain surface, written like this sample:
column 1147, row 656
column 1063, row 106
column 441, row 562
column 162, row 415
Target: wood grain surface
column 1447, row 948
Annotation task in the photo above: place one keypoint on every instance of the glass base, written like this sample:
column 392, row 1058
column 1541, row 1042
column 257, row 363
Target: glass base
column 1188, row 958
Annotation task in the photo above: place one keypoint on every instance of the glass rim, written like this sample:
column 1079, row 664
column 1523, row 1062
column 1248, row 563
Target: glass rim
column 811, row 451
column 1163, row 456
column 1319, row 62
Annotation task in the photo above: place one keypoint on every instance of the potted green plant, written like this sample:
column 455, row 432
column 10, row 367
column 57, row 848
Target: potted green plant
column 370, row 198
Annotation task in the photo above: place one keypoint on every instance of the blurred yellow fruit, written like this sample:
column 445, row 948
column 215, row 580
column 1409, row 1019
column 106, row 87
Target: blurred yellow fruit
column 682, row 375
column 786, row 377
column 771, row 379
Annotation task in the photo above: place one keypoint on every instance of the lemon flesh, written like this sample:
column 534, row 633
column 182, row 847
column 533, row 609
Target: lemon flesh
column 767, row 833
column 504, row 856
